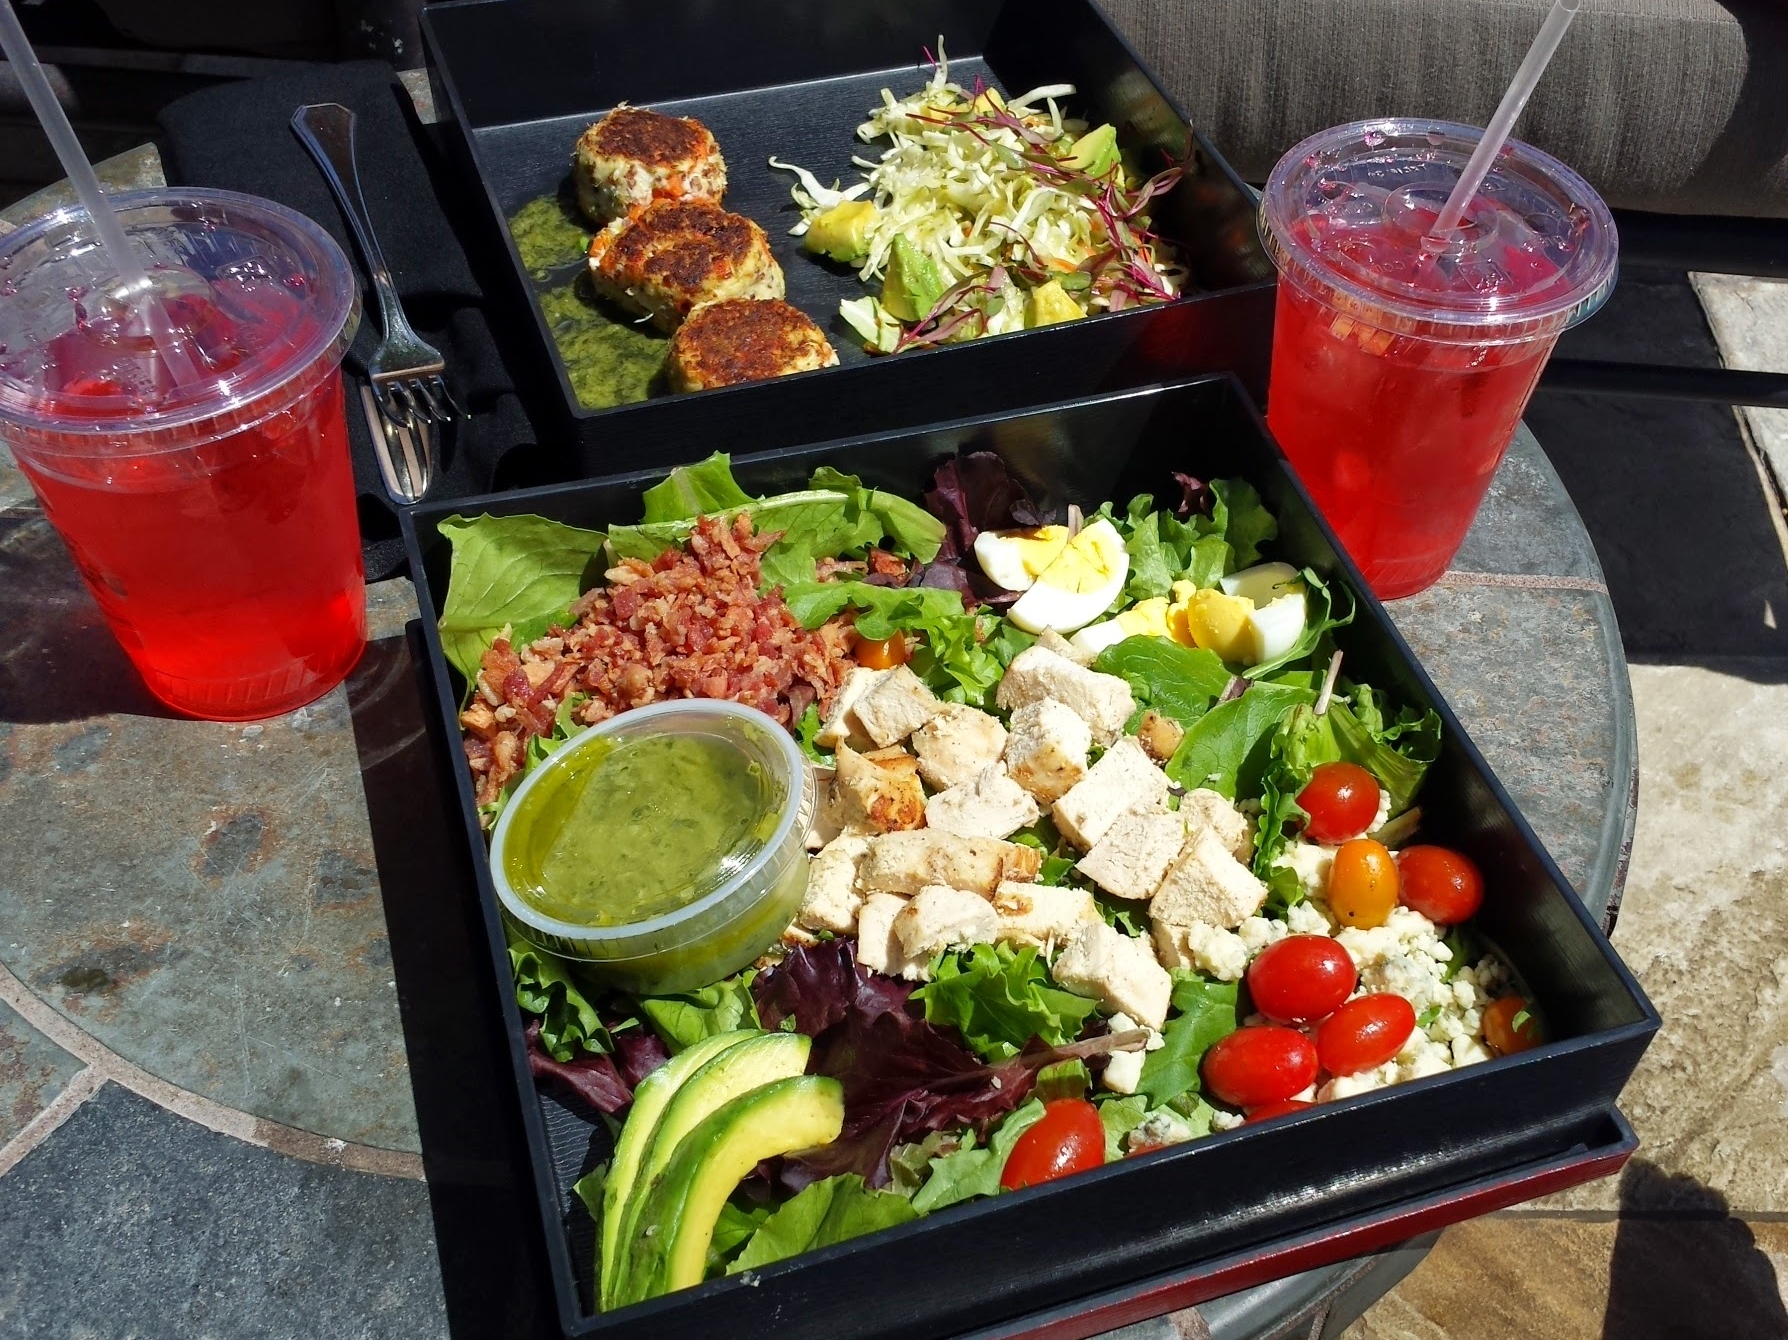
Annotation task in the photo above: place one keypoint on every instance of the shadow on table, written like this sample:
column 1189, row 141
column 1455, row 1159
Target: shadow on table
column 58, row 660
column 1668, row 489
column 487, row 1231
column 1684, row 1267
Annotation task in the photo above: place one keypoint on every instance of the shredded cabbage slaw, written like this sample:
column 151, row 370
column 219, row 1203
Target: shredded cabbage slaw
column 987, row 191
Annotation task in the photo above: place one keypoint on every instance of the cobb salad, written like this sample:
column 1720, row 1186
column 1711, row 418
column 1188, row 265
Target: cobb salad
column 1112, row 853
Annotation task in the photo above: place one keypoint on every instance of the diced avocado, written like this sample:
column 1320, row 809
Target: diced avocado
column 750, row 1064
column 1050, row 304
column 913, row 285
column 676, row 1227
column 842, row 232
column 1095, row 152
column 650, row 1099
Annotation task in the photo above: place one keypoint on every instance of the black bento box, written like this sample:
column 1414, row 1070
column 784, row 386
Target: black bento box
column 518, row 80
column 1169, row 1229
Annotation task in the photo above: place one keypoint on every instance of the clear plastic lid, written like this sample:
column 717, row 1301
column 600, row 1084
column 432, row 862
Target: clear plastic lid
column 1345, row 216
column 255, row 293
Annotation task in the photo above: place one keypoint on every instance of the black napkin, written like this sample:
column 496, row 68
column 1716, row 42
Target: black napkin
column 239, row 137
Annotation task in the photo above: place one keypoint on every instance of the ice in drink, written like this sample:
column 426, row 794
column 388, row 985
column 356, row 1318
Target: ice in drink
column 1402, row 364
column 211, row 513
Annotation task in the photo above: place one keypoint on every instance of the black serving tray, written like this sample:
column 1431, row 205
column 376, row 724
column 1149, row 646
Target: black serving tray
column 519, row 79
column 1195, row 1220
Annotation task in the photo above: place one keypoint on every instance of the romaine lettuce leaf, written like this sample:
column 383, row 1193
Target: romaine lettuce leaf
column 1205, row 1012
column 826, row 1212
column 972, row 1172
column 686, row 1019
column 913, row 530
column 1242, row 519
column 523, row 571
column 1120, row 1116
column 999, row 998
column 695, row 490
column 544, row 986
column 1228, row 748
column 1178, row 682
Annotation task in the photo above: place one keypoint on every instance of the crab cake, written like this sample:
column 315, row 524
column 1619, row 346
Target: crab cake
column 744, row 340
column 632, row 157
column 676, row 254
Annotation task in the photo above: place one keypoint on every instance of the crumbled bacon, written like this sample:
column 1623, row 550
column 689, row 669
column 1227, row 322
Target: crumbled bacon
column 689, row 624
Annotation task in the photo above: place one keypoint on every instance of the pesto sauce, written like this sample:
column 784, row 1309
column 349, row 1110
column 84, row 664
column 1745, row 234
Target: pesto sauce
column 550, row 234
column 610, row 359
column 619, row 834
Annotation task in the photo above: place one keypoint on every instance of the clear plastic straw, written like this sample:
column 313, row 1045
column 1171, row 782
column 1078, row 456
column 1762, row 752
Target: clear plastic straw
column 1496, row 134
column 134, row 286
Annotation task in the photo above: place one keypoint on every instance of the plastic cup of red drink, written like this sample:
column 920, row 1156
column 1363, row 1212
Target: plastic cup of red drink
column 1402, row 363
column 210, row 508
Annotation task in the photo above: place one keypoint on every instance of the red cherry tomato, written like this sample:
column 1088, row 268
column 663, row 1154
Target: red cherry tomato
column 1341, row 800
column 1301, row 978
column 1364, row 1033
column 1502, row 1035
column 1256, row 1066
column 1283, row 1108
column 1439, row 883
column 1067, row 1138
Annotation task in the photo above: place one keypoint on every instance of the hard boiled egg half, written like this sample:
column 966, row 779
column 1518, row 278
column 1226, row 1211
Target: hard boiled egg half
column 1068, row 581
column 1280, row 612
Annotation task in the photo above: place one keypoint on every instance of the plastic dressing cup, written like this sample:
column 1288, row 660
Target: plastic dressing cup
column 1402, row 364
column 213, row 520
column 666, row 847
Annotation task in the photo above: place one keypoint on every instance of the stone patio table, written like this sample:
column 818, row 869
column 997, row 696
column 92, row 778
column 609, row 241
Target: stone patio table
column 252, row 1079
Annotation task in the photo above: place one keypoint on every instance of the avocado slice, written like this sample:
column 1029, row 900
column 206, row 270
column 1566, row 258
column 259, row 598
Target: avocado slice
column 1050, row 303
column 1095, row 152
column 649, row 1101
column 759, row 1059
column 913, row 285
column 842, row 232
column 677, row 1221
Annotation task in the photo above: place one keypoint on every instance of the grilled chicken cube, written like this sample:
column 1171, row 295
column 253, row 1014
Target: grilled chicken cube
column 1104, row 702
column 633, row 156
column 939, row 917
column 842, row 726
column 896, row 706
column 1204, row 808
column 1117, row 971
column 1042, row 914
column 1047, row 748
column 878, row 948
column 908, row 862
column 832, row 900
column 744, row 340
column 990, row 805
column 957, row 744
column 1135, row 853
column 1123, row 781
column 676, row 254
column 1207, row 884
column 882, row 792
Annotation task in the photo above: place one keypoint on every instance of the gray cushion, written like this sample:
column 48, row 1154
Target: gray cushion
column 1671, row 105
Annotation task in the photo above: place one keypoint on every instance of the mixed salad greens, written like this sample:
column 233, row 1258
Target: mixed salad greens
column 983, row 216
column 837, row 1087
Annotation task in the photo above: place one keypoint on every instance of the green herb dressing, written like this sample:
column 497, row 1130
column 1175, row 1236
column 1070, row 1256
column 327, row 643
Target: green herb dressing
column 550, row 234
column 610, row 357
column 619, row 834
column 609, row 361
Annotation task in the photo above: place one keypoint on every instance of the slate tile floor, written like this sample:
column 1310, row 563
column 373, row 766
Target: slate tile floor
column 1685, row 507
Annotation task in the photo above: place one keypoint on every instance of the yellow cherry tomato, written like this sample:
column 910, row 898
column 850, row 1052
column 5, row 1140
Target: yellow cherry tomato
column 1362, row 883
